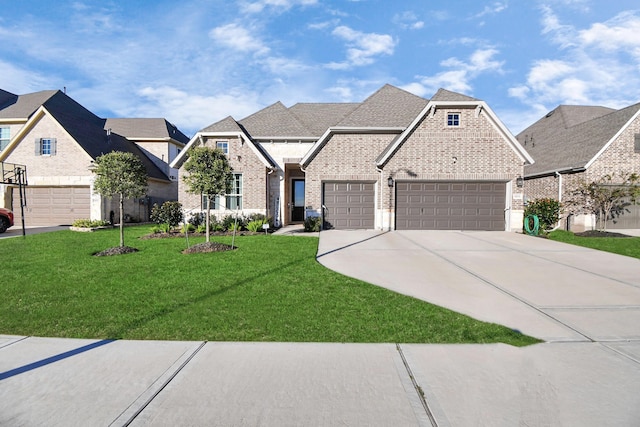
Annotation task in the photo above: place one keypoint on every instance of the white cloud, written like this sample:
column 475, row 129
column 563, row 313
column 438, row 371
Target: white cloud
column 19, row 80
column 278, row 5
column 408, row 20
column 595, row 68
column 190, row 111
column 462, row 73
column 238, row 38
column 492, row 9
column 362, row 48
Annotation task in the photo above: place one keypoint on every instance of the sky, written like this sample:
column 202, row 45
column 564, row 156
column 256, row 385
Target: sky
column 195, row 62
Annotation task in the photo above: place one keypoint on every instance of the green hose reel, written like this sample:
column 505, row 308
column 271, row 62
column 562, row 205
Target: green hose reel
column 528, row 228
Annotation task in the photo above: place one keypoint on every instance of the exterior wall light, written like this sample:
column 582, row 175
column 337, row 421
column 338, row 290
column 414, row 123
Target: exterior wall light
column 390, row 182
column 519, row 182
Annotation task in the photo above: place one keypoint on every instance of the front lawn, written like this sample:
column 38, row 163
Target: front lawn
column 269, row 289
column 629, row 246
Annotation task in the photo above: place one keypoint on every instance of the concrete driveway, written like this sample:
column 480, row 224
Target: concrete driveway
column 550, row 290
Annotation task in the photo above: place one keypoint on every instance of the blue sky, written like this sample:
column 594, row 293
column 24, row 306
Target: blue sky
column 195, row 62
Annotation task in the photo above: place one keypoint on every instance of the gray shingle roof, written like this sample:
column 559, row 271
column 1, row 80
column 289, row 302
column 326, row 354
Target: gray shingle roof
column 446, row 95
column 318, row 117
column 7, row 98
column 228, row 124
column 145, row 128
column 87, row 130
column 388, row 107
column 556, row 147
column 275, row 121
column 25, row 105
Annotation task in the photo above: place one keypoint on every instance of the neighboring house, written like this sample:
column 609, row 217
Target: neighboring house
column 394, row 161
column 574, row 144
column 57, row 140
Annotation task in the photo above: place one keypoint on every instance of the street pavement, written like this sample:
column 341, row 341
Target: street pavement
column 584, row 304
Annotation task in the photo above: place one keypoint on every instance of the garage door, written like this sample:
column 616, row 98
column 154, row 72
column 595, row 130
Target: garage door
column 450, row 205
column 349, row 205
column 629, row 217
column 53, row 205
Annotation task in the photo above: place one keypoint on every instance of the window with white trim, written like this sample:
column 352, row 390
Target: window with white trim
column 5, row 137
column 232, row 200
column 224, row 146
column 45, row 146
column 453, row 119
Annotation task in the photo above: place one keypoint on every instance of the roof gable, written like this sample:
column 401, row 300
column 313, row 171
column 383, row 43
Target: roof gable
column 388, row 107
column 463, row 102
column 228, row 124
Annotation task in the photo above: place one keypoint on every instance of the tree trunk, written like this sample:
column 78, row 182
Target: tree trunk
column 121, row 220
column 208, row 219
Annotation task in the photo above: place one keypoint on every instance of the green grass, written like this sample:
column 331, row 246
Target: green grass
column 270, row 289
column 629, row 246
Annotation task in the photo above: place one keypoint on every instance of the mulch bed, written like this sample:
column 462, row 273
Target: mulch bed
column 598, row 233
column 120, row 250
column 208, row 247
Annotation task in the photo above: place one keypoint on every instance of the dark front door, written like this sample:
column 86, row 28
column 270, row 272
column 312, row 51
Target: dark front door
column 297, row 200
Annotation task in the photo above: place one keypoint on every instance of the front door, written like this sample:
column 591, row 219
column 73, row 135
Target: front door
column 297, row 199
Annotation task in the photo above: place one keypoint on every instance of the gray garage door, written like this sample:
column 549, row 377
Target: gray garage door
column 349, row 205
column 457, row 205
column 53, row 205
column 629, row 217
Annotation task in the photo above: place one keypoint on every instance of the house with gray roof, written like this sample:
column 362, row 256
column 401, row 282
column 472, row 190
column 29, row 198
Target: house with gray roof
column 57, row 139
column 393, row 161
column 577, row 144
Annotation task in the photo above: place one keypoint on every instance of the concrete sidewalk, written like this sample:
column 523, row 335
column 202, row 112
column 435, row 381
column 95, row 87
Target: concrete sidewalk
column 585, row 303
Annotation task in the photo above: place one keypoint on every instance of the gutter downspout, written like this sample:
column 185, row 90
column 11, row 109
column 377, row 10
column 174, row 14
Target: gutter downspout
column 559, row 196
column 380, row 183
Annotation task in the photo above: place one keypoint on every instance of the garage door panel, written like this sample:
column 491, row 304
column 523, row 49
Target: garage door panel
column 53, row 205
column 349, row 205
column 451, row 205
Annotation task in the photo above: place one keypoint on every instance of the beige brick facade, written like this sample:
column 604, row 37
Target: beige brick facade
column 244, row 161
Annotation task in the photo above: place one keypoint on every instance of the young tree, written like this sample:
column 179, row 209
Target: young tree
column 120, row 174
column 605, row 197
column 209, row 174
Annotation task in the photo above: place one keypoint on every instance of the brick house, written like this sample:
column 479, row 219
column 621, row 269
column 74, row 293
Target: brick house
column 574, row 144
column 57, row 139
column 394, row 161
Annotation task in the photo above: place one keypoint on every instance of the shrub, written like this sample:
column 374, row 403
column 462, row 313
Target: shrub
column 169, row 213
column 160, row 228
column 87, row 223
column 312, row 224
column 229, row 221
column 547, row 210
column 256, row 225
column 188, row 228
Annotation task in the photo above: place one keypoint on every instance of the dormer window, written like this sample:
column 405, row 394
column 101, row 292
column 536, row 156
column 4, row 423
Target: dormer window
column 453, row 119
column 224, row 146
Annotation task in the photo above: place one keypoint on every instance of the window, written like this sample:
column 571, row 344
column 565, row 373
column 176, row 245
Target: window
column 453, row 119
column 636, row 146
column 234, row 198
column 45, row 146
column 4, row 137
column 224, row 146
